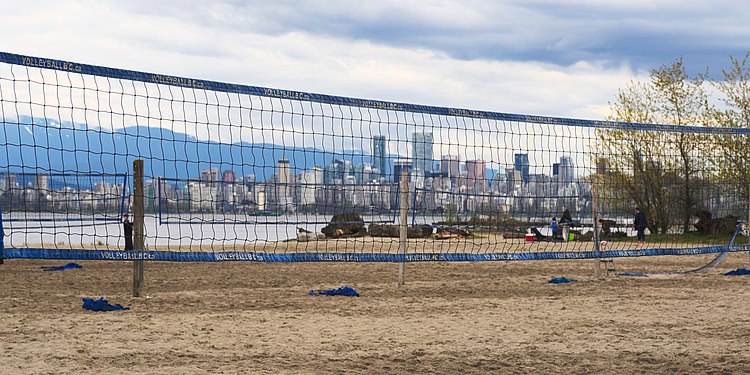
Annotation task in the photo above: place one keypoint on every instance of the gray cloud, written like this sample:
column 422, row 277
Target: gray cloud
column 558, row 58
column 644, row 34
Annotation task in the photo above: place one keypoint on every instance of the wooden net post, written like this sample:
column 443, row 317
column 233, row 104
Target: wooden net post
column 138, row 227
column 403, row 228
column 595, row 214
column 2, row 238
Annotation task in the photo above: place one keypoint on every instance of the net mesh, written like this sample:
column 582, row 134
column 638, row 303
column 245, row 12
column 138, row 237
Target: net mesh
column 238, row 172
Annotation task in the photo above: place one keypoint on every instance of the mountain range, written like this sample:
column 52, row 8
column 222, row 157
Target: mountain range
column 40, row 144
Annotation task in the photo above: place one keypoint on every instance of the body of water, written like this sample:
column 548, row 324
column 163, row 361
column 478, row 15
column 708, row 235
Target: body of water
column 24, row 229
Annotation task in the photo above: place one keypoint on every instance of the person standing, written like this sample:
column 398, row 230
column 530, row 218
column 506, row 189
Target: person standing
column 127, row 230
column 566, row 218
column 640, row 223
column 553, row 226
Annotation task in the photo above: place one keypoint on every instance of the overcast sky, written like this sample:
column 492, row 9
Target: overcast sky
column 558, row 58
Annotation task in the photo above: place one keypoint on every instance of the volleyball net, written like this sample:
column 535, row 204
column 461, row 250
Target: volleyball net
column 237, row 172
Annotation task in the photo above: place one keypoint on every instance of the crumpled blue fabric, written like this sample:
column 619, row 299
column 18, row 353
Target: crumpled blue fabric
column 342, row 291
column 101, row 305
column 562, row 280
column 68, row 266
column 636, row 274
column 738, row 272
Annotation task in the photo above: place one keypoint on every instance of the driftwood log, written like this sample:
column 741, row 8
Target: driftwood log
column 345, row 225
column 392, row 230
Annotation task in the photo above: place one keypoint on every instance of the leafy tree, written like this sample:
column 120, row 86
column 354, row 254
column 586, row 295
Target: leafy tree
column 733, row 162
column 683, row 101
column 630, row 168
column 660, row 172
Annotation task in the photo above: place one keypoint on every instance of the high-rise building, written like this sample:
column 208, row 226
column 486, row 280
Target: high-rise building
column 500, row 182
column 228, row 192
column 329, row 174
column 210, row 175
column 284, row 178
column 521, row 164
column 363, row 173
column 566, row 170
column 247, row 190
column 228, row 176
column 450, row 167
column 476, row 175
column 338, row 171
column 41, row 182
column 11, row 181
column 378, row 154
column 206, row 193
column 422, row 146
column 309, row 184
column 202, row 196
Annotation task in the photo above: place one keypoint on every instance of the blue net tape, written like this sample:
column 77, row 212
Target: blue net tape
column 223, row 256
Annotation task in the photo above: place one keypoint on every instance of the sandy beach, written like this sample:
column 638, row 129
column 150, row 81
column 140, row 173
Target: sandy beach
column 489, row 317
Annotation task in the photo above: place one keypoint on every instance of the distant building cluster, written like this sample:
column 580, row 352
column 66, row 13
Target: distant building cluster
column 61, row 193
column 437, row 185
column 446, row 183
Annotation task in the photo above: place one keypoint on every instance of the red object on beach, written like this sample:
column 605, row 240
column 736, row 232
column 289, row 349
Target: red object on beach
column 530, row 237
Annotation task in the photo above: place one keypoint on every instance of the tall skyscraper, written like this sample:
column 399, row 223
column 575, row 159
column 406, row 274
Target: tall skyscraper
column 476, row 172
column 378, row 154
column 210, row 175
column 228, row 176
column 521, row 164
column 422, row 147
column 566, row 171
column 228, row 195
column 309, row 184
column 41, row 182
column 284, row 178
column 363, row 173
column 203, row 195
column 340, row 169
column 249, row 190
column 329, row 174
column 450, row 167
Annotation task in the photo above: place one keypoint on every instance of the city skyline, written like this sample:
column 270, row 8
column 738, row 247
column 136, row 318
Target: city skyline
column 438, row 183
column 422, row 142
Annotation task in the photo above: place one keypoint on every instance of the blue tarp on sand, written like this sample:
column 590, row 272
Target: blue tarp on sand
column 738, row 272
column 68, row 266
column 101, row 305
column 342, row 291
column 633, row 274
column 562, row 280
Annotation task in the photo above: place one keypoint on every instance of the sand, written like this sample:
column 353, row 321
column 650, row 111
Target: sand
column 489, row 317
